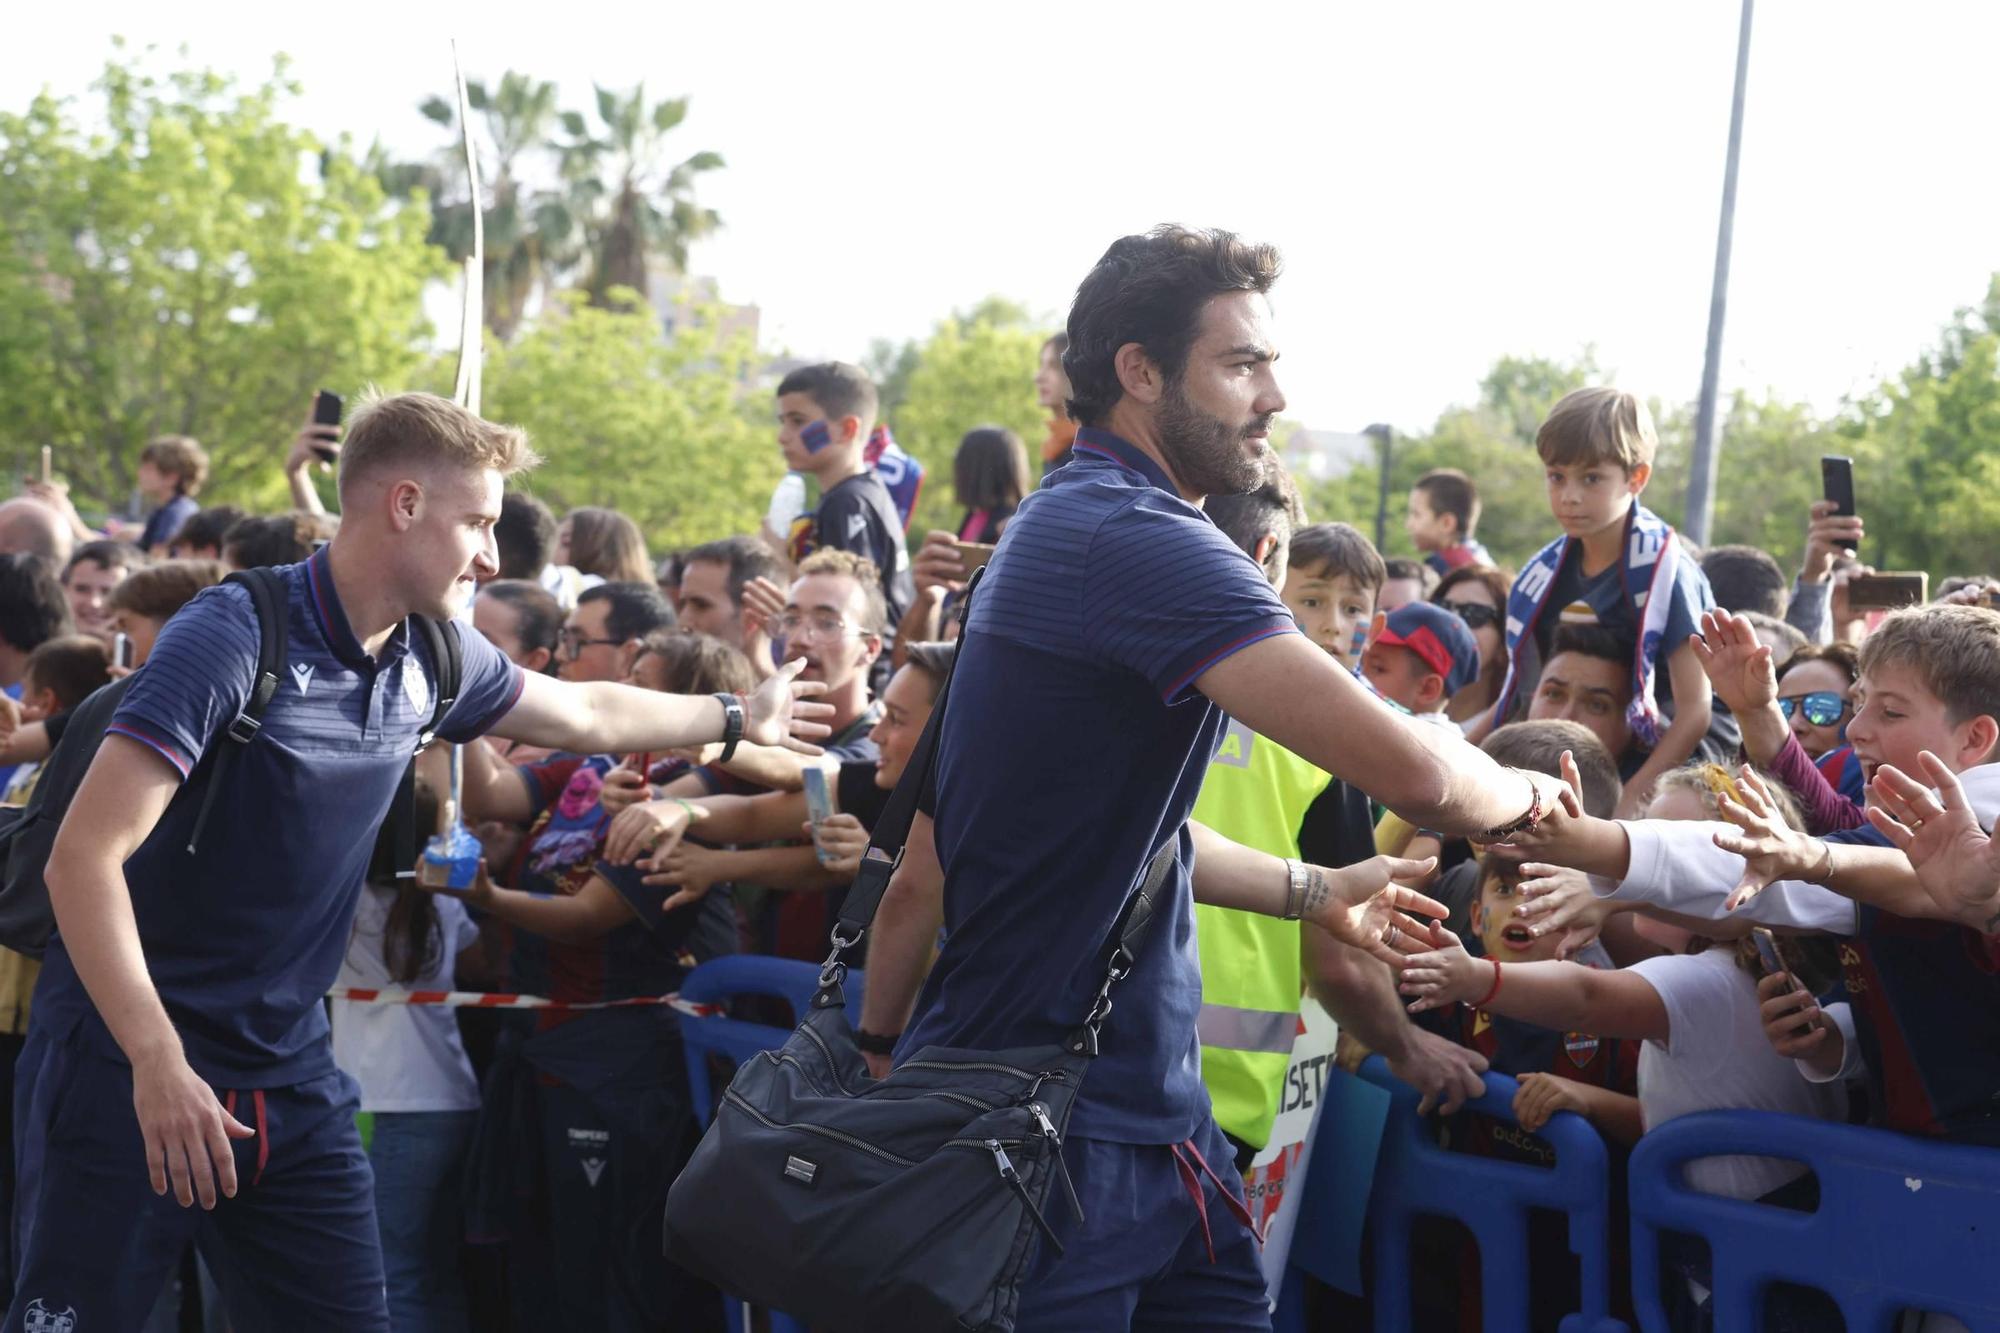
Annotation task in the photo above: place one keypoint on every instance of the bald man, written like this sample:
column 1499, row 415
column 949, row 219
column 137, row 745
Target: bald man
column 29, row 527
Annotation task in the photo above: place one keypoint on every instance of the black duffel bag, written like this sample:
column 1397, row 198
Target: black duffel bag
column 915, row 1202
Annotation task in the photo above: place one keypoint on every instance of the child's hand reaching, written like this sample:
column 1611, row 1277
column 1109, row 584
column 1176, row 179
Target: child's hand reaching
column 1446, row 975
column 1542, row 1095
column 1555, row 898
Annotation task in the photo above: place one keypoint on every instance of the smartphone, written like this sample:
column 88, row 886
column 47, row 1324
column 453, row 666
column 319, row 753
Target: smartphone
column 973, row 554
column 1888, row 592
column 1767, row 951
column 121, row 651
column 326, row 412
column 48, row 465
column 819, row 802
column 1836, row 476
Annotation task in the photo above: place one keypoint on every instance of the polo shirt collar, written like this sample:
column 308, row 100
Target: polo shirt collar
column 1098, row 443
column 332, row 616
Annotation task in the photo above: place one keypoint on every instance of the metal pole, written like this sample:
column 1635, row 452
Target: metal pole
column 1385, row 439
column 1701, row 475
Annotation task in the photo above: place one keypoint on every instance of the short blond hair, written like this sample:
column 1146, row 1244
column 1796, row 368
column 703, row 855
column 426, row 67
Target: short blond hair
column 1600, row 425
column 424, row 430
column 866, row 574
column 1955, row 651
column 179, row 457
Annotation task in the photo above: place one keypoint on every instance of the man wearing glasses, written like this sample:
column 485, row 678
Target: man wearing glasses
column 604, row 634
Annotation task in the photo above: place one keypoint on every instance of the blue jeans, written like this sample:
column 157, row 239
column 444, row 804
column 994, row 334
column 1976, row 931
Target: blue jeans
column 419, row 1158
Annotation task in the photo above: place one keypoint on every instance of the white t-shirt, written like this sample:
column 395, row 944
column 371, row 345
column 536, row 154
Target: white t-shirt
column 1716, row 1058
column 405, row 1057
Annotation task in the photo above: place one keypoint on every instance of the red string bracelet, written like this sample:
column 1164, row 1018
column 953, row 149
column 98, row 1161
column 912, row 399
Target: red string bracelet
column 1488, row 998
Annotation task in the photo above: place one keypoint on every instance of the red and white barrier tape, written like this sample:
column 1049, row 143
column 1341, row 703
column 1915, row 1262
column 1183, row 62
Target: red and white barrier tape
column 465, row 999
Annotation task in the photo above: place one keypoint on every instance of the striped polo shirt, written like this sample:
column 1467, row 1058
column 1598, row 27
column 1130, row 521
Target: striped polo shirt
column 1074, row 745
column 244, row 936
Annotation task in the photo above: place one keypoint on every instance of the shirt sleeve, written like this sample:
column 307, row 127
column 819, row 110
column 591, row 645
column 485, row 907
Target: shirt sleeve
column 847, row 523
column 547, row 779
column 1692, row 596
column 1678, row 866
column 1811, row 611
column 645, row 900
column 489, row 686
column 1167, row 595
column 1826, row 810
column 195, row 681
column 1700, row 1000
column 1853, row 1063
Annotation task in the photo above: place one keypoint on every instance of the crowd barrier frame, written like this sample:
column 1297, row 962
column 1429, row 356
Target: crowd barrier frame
column 1903, row 1223
column 1414, row 1177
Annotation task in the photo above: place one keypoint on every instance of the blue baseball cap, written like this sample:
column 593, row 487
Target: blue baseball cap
column 1439, row 637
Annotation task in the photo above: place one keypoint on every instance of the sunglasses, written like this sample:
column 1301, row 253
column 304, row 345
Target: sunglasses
column 1822, row 708
column 1476, row 615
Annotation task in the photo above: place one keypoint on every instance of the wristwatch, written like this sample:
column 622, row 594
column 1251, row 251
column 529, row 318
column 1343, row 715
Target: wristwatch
column 732, row 724
column 876, row 1043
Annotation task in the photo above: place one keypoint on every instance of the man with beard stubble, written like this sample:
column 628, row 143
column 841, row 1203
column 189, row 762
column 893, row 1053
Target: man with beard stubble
column 1113, row 628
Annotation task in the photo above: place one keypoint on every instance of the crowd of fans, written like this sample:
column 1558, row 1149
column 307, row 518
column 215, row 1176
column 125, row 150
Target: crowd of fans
column 522, row 1159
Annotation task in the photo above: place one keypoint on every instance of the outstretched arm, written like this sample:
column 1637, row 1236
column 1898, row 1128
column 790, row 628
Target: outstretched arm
column 600, row 717
column 1565, row 996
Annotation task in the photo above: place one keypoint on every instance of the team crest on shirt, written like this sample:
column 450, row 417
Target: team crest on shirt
column 416, row 688
column 1581, row 1047
column 39, row 1318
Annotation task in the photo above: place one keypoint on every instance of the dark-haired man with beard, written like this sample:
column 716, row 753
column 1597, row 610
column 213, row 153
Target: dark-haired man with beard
column 1114, row 627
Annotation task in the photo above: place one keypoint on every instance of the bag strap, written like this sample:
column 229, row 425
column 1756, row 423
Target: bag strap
column 885, row 853
column 448, row 662
column 270, row 599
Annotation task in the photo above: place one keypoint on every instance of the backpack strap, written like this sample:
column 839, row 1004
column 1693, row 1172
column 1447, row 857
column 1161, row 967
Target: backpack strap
column 448, row 660
column 270, row 600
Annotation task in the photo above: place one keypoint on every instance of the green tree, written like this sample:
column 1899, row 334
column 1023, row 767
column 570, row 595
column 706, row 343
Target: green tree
column 665, row 430
column 631, row 201
column 179, row 259
column 976, row 369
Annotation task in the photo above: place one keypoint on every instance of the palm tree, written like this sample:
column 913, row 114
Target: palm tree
column 632, row 205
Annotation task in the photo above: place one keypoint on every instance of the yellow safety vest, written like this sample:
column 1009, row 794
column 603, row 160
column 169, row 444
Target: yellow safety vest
column 1256, row 792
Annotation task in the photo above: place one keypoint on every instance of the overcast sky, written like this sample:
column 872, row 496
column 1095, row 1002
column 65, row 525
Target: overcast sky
column 1450, row 182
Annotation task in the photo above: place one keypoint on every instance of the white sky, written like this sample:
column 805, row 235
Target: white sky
column 1450, row 181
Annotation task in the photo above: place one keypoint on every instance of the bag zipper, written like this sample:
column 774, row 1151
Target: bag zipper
column 1013, row 1179
column 1041, row 1115
column 989, row 1065
column 734, row 1098
column 832, row 1066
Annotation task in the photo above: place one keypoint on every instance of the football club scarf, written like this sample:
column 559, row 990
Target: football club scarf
column 1648, row 571
column 902, row 474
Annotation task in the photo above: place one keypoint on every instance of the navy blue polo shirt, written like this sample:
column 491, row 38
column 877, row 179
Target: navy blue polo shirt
column 244, row 937
column 1073, row 746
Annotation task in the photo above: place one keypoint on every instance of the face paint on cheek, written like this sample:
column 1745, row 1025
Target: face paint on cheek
column 816, row 436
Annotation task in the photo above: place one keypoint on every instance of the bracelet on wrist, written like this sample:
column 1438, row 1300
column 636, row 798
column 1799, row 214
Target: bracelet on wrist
column 1296, row 879
column 876, row 1043
column 1487, row 998
column 735, row 715
column 1502, row 832
column 1824, row 872
column 694, row 814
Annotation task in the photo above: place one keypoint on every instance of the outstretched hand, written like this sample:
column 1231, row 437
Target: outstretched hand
column 1367, row 905
column 780, row 712
column 1957, row 863
column 1738, row 663
column 1444, row 974
column 1556, row 898
column 1771, row 849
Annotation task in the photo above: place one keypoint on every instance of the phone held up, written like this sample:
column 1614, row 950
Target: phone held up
column 973, row 555
column 819, row 803
column 1772, row 964
column 121, row 651
column 326, row 412
column 1836, row 475
column 1888, row 592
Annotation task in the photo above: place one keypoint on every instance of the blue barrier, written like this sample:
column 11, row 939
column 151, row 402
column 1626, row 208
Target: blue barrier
column 718, row 981
column 1902, row 1223
column 1414, row 1177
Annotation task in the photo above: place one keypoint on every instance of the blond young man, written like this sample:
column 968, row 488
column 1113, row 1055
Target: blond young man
column 178, row 1041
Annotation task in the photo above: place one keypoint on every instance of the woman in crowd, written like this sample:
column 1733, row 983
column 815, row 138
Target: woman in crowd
column 1477, row 594
column 603, row 546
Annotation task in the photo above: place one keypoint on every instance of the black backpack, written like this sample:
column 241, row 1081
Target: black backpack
column 28, row 834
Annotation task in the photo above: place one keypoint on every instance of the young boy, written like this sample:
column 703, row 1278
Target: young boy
column 1331, row 587
column 1925, row 991
column 826, row 414
column 1417, row 657
column 1444, row 509
column 171, row 472
column 1618, row 565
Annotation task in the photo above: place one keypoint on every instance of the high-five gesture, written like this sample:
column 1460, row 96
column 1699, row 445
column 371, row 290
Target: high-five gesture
column 779, row 712
column 1957, row 863
column 1738, row 663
